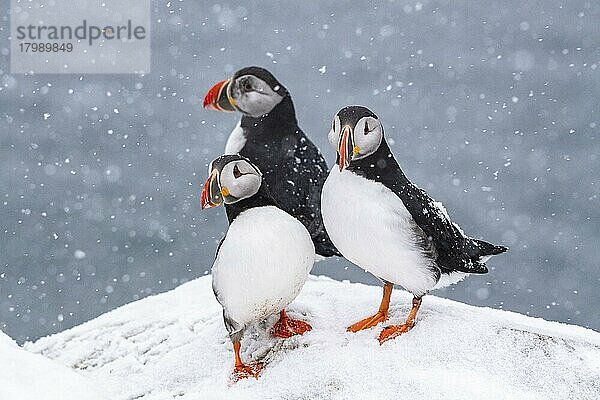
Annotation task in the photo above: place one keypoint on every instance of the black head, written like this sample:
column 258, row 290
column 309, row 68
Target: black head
column 231, row 178
column 355, row 134
column 253, row 91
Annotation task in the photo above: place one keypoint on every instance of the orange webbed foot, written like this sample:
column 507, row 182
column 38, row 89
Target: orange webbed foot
column 381, row 314
column 243, row 371
column 393, row 331
column 286, row 327
column 368, row 322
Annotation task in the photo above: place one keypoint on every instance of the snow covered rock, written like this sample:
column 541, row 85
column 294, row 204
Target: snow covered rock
column 27, row 376
column 174, row 345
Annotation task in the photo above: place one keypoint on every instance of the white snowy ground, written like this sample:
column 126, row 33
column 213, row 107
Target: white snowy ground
column 174, row 345
column 27, row 376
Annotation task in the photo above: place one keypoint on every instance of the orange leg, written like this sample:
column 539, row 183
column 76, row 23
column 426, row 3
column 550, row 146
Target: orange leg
column 242, row 370
column 380, row 316
column 286, row 327
column 392, row 331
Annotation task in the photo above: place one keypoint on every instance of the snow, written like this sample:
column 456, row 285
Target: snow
column 27, row 376
column 174, row 345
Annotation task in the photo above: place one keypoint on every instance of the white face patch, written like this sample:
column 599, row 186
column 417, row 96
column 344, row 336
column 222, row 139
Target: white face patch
column 334, row 133
column 240, row 180
column 367, row 137
column 253, row 96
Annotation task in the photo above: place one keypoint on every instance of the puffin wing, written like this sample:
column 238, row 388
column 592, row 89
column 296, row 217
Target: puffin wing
column 449, row 241
column 234, row 329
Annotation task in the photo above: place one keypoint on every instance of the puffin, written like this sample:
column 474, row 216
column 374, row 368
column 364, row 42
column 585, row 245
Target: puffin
column 385, row 224
column 263, row 260
column 269, row 136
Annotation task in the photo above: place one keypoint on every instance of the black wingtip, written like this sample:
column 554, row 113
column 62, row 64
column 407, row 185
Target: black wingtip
column 323, row 245
column 501, row 249
column 496, row 250
column 483, row 248
column 326, row 250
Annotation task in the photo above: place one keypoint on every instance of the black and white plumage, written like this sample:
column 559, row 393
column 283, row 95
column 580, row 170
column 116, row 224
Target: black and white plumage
column 385, row 224
column 265, row 257
column 269, row 136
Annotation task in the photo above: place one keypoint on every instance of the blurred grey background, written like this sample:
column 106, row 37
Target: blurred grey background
column 492, row 107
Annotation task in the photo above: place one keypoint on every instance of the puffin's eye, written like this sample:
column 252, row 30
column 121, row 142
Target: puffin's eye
column 366, row 128
column 236, row 172
column 247, row 85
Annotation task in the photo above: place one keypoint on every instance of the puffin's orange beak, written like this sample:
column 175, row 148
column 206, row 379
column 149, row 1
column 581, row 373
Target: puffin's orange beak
column 210, row 192
column 343, row 148
column 217, row 98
